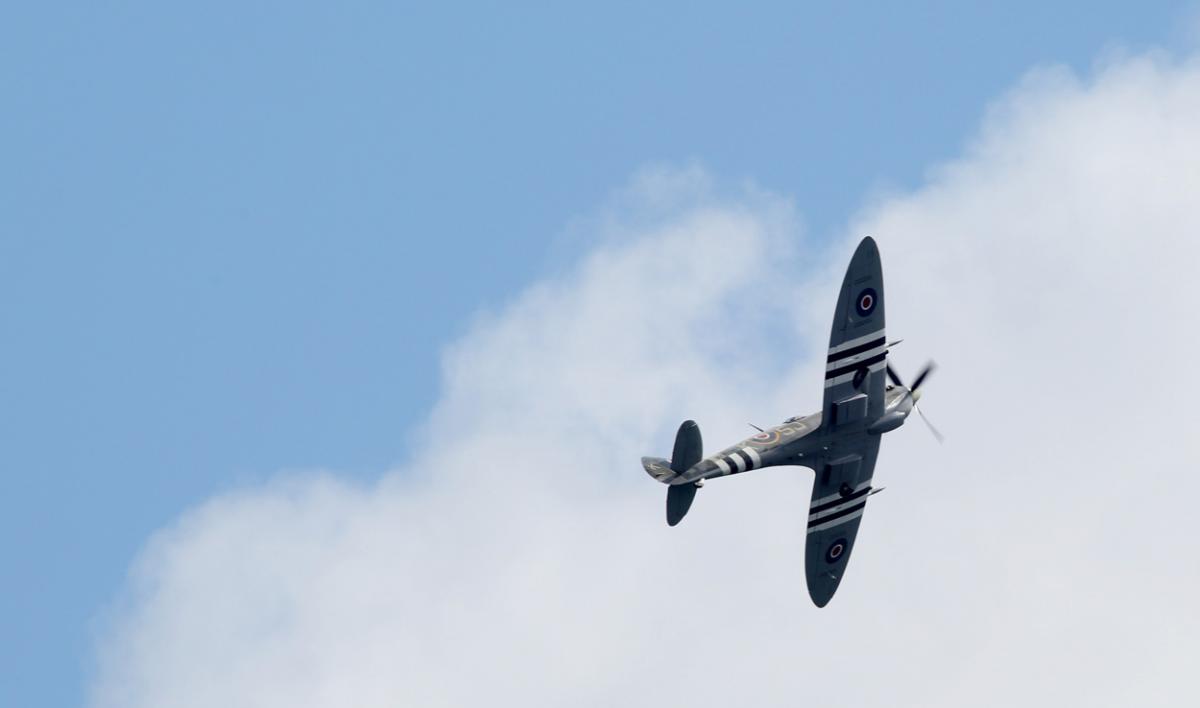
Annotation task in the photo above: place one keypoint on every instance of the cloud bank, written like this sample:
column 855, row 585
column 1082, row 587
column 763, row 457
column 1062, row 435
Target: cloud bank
column 1045, row 555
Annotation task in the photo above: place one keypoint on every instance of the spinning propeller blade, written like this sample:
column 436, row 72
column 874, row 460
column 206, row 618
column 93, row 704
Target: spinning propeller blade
column 921, row 376
column 912, row 391
column 937, row 436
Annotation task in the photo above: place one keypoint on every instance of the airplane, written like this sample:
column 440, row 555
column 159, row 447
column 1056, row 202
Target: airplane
column 840, row 443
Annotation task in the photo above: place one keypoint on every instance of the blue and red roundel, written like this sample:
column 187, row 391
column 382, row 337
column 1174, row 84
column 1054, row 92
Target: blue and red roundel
column 865, row 303
column 837, row 549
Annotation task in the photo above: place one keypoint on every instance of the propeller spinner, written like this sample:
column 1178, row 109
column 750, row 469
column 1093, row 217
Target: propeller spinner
column 915, row 392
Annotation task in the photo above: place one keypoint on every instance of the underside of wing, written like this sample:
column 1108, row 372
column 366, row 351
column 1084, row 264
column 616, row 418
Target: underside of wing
column 840, row 491
column 854, row 369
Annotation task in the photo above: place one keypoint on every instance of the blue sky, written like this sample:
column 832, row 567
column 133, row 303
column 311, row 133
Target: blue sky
column 235, row 240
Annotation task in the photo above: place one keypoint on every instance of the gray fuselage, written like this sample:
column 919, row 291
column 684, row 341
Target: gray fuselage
column 794, row 441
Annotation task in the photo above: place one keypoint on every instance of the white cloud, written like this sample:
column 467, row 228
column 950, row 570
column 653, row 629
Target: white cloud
column 1045, row 555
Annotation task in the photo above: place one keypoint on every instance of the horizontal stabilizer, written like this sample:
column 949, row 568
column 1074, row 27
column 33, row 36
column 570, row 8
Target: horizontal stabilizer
column 688, row 447
column 689, row 450
column 679, row 500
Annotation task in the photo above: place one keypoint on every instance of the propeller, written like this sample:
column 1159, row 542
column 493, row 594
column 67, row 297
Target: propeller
column 929, row 369
column 914, row 392
column 921, row 376
column 936, row 435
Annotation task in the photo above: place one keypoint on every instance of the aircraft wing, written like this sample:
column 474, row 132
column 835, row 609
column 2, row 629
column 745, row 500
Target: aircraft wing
column 854, row 368
column 855, row 390
column 840, row 490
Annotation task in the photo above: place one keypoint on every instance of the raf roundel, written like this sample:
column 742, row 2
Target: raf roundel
column 865, row 304
column 767, row 437
column 836, row 550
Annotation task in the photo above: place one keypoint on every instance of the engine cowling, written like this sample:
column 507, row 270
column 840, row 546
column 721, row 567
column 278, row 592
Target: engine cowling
column 887, row 422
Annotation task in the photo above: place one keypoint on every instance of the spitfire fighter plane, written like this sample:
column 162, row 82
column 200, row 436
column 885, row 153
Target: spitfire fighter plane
column 840, row 443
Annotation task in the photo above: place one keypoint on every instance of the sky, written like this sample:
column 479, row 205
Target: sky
column 333, row 336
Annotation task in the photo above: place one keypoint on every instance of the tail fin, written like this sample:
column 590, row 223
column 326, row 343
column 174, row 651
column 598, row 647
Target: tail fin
column 689, row 449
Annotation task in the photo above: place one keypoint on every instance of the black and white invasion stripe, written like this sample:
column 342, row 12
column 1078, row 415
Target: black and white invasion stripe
column 868, row 351
column 837, row 509
column 739, row 460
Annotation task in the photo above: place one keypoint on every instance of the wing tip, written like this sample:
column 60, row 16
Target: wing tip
column 821, row 593
column 867, row 249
